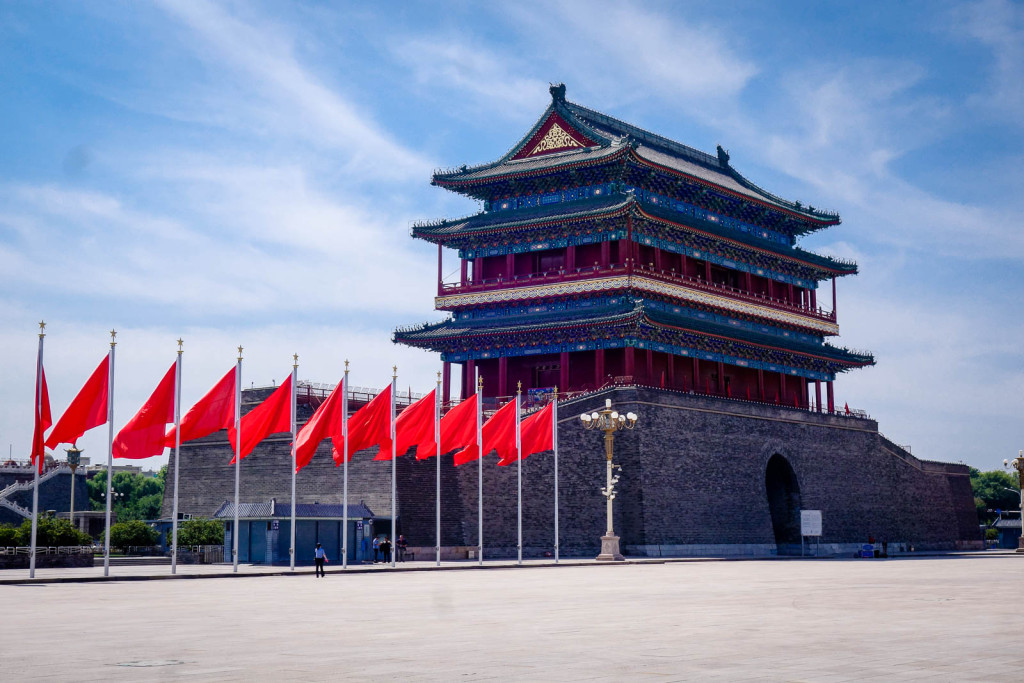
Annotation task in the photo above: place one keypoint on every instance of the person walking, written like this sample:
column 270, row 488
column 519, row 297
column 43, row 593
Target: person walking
column 402, row 545
column 385, row 548
column 319, row 556
column 376, row 548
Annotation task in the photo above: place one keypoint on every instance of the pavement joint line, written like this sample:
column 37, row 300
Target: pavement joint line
column 307, row 571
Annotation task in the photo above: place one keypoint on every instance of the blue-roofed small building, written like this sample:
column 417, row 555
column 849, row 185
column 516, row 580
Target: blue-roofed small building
column 265, row 531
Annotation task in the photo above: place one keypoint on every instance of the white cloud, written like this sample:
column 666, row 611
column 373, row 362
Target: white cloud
column 295, row 100
column 999, row 25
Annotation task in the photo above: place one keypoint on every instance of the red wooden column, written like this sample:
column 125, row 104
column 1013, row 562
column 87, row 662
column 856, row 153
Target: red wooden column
column 468, row 378
column 657, row 260
column 478, row 270
column 440, row 275
column 789, row 290
column 446, row 382
column 563, row 371
column 817, row 394
column 696, row 375
column 623, row 251
column 831, row 397
column 721, row 378
column 650, row 367
column 707, row 271
column 570, row 260
column 814, row 299
column 598, row 368
column 748, row 281
column 684, row 264
column 510, row 267
column 464, row 271
column 833, row 301
column 502, row 389
column 606, row 253
column 760, row 384
column 782, row 388
column 672, row 371
column 630, row 362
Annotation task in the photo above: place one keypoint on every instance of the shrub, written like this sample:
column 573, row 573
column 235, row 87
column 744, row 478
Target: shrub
column 200, row 532
column 134, row 532
column 51, row 531
column 8, row 535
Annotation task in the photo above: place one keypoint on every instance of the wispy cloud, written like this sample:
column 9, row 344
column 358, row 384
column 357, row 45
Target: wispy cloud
column 264, row 55
column 999, row 26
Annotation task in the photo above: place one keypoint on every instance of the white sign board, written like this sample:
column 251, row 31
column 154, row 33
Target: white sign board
column 810, row 522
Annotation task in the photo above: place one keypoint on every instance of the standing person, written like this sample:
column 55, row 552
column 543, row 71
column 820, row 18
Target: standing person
column 402, row 545
column 385, row 548
column 319, row 556
column 376, row 548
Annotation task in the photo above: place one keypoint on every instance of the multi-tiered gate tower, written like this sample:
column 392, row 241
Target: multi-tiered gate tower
column 606, row 255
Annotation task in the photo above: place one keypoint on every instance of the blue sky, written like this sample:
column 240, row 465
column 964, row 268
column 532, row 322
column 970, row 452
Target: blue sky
column 246, row 173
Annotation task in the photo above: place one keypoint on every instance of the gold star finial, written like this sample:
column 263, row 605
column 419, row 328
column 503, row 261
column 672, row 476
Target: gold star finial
column 42, row 329
column 180, row 342
column 480, row 382
column 394, row 372
column 346, row 365
column 113, row 337
column 519, row 387
column 295, row 360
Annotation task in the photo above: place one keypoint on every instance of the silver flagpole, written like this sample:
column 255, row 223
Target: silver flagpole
column 110, row 450
column 41, row 456
column 437, row 445
column 238, row 456
column 295, row 371
column 394, row 469
column 554, row 444
column 344, row 469
column 480, row 466
column 519, row 473
column 177, row 448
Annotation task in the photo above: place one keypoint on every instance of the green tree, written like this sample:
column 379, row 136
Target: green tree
column 135, row 496
column 200, row 532
column 132, row 533
column 8, row 535
column 994, row 490
column 51, row 531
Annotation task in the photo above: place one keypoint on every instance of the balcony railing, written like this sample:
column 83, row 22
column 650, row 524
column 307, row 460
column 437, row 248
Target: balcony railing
column 668, row 276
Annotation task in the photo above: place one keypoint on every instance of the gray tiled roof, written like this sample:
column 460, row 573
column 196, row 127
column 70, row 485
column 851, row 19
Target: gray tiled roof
column 281, row 510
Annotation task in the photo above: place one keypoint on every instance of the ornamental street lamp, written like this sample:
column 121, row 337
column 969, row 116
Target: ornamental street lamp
column 1018, row 464
column 609, row 421
column 74, row 459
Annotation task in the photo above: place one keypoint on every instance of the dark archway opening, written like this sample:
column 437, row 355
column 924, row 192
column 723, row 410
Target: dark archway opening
column 784, row 504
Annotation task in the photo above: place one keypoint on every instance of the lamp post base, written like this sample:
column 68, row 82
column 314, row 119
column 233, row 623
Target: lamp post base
column 1020, row 544
column 610, row 550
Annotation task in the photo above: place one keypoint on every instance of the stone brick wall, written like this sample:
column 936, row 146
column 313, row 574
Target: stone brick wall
column 693, row 480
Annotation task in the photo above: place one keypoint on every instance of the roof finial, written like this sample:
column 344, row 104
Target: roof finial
column 557, row 91
column 723, row 156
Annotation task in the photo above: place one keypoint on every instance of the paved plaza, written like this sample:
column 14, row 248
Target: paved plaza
column 950, row 619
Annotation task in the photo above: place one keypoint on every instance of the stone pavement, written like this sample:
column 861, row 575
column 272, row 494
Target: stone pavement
column 950, row 618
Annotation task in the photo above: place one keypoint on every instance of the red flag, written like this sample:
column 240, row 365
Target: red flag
column 270, row 417
column 458, row 430
column 535, row 435
column 143, row 436
column 215, row 410
column 415, row 426
column 499, row 433
column 847, row 406
column 369, row 426
column 326, row 423
column 87, row 410
column 43, row 420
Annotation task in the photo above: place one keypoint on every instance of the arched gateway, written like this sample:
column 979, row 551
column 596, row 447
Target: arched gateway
column 783, row 492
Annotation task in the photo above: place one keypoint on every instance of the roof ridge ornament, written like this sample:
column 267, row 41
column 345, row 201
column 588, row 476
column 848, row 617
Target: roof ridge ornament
column 557, row 91
column 723, row 156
